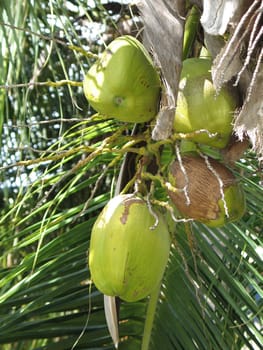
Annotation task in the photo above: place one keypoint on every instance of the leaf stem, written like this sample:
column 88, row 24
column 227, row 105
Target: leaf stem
column 42, row 83
column 152, row 305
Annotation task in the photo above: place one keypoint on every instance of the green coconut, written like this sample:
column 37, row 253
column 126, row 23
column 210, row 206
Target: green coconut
column 128, row 252
column 207, row 191
column 200, row 107
column 123, row 83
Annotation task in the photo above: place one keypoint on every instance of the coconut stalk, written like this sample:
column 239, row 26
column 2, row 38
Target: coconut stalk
column 151, row 309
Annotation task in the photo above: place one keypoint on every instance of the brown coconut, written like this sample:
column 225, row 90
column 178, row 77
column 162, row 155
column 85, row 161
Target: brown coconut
column 202, row 186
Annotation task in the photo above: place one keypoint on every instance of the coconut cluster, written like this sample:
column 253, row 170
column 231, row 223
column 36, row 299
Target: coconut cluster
column 130, row 233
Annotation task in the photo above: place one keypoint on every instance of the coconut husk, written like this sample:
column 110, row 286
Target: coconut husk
column 200, row 183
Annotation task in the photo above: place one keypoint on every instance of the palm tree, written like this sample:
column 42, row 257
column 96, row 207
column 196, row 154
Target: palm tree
column 59, row 167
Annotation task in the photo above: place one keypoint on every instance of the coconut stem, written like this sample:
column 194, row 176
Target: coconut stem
column 148, row 325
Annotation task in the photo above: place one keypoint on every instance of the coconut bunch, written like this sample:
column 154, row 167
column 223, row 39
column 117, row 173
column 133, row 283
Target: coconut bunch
column 131, row 233
column 190, row 99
